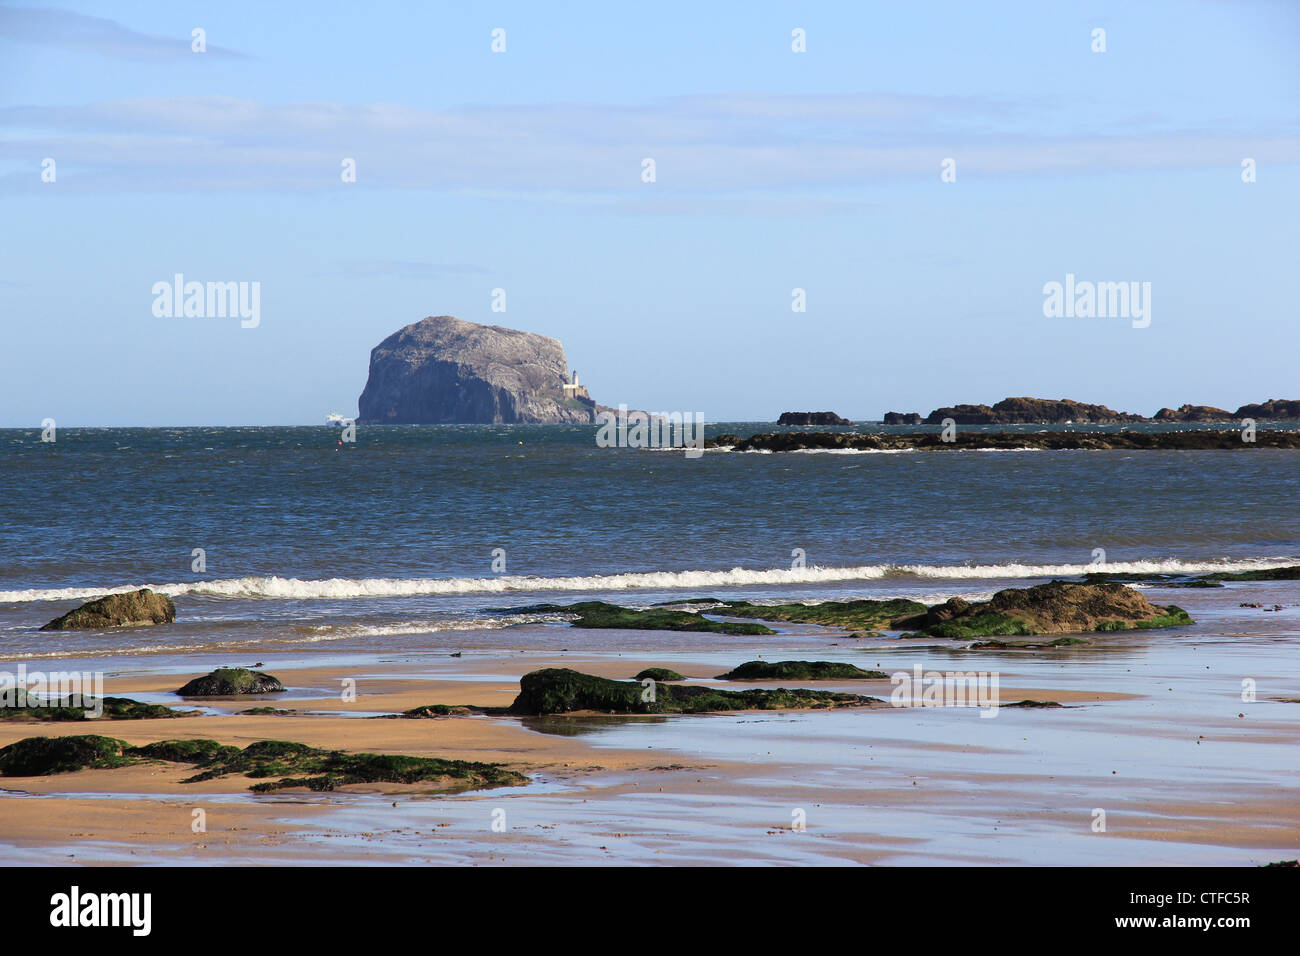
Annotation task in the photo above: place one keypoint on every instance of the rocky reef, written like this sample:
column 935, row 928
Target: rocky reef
column 799, row 670
column 1048, row 411
column 23, row 708
column 1058, row 607
column 132, row 609
column 442, row 370
column 598, row 614
column 1192, row 440
column 559, row 690
column 292, row 764
column 865, row 613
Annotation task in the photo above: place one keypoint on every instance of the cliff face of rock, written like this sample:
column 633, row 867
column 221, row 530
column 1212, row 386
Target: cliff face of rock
column 442, row 370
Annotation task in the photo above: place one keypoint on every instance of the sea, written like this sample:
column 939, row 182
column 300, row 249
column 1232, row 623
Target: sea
column 289, row 537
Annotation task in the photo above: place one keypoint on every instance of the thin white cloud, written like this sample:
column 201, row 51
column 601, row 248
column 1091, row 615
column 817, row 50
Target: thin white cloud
column 750, row 146
column 86, row 34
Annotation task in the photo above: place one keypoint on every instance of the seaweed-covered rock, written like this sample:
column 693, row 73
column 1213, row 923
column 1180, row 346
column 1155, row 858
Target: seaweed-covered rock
column 799, row 670
column 659, row 673
column 864, row 613
column 39, row 756
column 1291, row 573
column 1035, row 704
column 25, row 708
column 294, row 764
column 996, row 645
column 231, row 682
column 598, row 614
column 1058, row 607
column 558, row 690
column 437, row 710
column 298, row 765
column 132, row 609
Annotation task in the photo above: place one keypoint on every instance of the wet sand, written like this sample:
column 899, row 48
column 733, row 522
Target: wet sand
column 1154, row 732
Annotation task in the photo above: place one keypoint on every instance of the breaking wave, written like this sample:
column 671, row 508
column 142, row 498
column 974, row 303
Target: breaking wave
column 278, row 588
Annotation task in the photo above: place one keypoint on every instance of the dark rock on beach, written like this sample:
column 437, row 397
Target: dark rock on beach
column 1058, row 607
column 231, row 682
column 659, row 673
column 132, row 609
column 442, row 370
column 811, row 418
column 799, row 670
column 558, row 690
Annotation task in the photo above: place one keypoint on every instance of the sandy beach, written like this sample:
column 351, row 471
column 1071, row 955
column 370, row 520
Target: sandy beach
column 1153, row 731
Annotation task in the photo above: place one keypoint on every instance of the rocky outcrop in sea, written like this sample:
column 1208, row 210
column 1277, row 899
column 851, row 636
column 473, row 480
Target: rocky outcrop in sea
column 1048, row 411
column 132, row 609
column 442, row 370
column 811, row 418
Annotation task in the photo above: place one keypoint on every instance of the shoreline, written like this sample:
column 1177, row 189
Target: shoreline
column 1192, row 781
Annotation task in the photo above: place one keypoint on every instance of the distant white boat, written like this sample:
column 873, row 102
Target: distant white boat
column 334, row 418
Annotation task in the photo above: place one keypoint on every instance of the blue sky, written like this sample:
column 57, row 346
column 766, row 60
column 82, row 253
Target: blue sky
column 774, row 170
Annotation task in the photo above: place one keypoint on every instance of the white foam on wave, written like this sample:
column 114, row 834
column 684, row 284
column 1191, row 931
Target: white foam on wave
column 278, row 588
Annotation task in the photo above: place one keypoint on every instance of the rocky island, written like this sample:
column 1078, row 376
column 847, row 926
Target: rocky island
column 442, row 370
column 1204, row 439
column 811, row 418
column 1048, row 411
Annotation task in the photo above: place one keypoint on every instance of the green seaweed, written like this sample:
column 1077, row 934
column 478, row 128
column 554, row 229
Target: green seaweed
column 598, row 614
column 988, row 624
column 294, row 764
column 1174, row 616
column 866, row 614
column 25, row 708
column 39, row 756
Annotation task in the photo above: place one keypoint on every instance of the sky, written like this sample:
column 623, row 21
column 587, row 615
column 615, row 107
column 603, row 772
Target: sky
column 774, row 170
